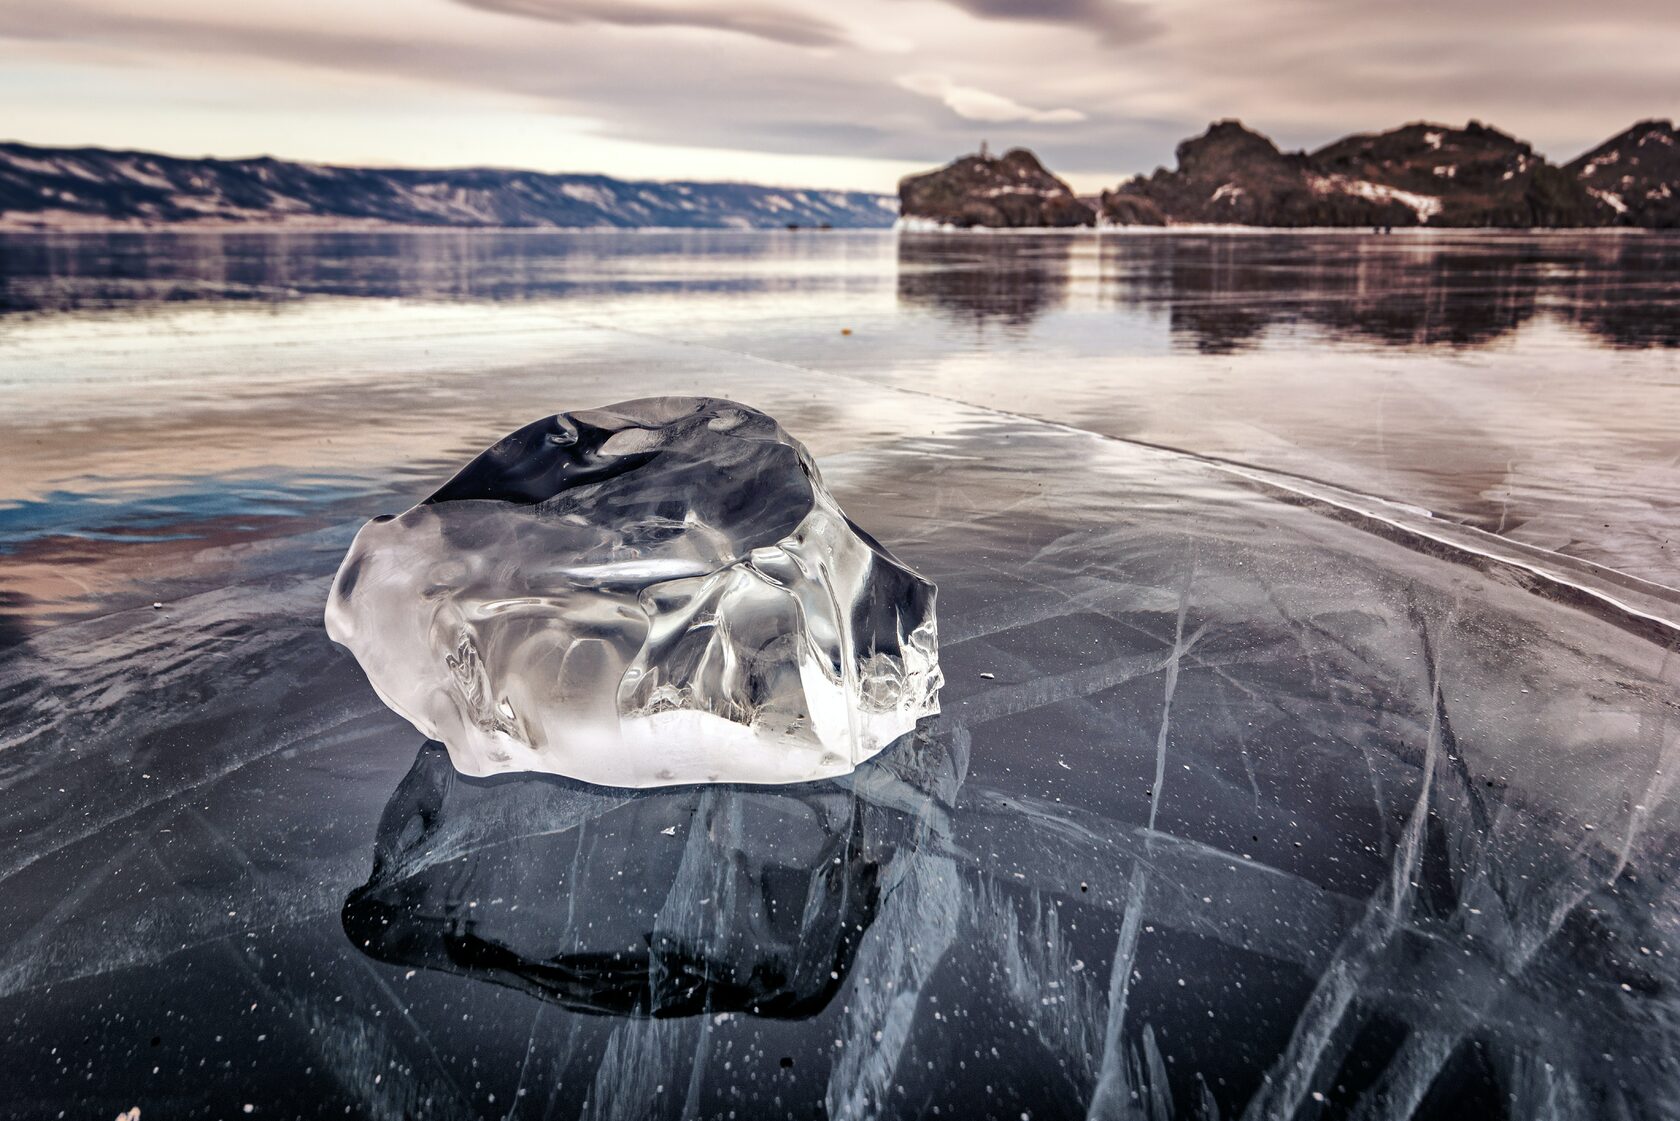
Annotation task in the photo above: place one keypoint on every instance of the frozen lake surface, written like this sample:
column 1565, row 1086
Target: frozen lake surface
column 1308, row 618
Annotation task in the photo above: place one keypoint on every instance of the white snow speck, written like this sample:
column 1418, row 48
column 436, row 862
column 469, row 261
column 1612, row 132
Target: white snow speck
column 584, row 192
column 1610, row 199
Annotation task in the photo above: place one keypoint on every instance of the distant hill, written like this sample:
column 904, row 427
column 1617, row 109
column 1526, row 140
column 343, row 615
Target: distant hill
column 1013, row 190
column 1636, row 174
column 74, row 187
column 1417, row 175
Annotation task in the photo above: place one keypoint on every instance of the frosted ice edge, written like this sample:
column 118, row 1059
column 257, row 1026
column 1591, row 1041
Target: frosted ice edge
column 652, row 593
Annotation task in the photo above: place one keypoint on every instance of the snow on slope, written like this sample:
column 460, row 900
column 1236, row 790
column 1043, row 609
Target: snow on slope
column 1425, row 206
column 55, row 188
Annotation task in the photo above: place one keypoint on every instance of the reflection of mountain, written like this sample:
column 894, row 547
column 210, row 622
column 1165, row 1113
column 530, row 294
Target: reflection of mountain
column 980, row 279
column 665, row 903
column 124, row 270
column 1223, row 294
column 1222, row 291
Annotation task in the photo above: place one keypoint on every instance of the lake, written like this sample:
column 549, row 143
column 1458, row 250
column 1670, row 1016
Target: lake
column 1308, row 611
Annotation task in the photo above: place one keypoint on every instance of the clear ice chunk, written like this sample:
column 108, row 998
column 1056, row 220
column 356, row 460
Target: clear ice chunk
column 652, row 593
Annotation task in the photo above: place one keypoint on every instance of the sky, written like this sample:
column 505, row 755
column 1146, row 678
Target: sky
column 842, row 93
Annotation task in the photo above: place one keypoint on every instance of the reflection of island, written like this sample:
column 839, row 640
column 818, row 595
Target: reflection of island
column 1223, row 295
column 163, row 269
column 1224, row 292
column 658, row 903
column 982, row 279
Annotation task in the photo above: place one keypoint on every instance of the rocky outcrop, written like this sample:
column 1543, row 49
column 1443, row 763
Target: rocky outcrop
column 1478, row 176
column 1122, row 208
column 1011, row 191
column 1233, row 175
column 1420, row 174
column 69, row 187
column 1636, row 175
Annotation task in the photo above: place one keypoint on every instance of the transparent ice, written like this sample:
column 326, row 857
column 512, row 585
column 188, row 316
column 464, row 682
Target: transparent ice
column 656, row 592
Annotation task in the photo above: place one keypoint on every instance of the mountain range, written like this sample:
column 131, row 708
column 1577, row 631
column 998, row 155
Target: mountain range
column 1417, row 175
column 79, row 187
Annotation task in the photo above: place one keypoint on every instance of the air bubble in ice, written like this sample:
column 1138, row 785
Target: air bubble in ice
column 652, row 593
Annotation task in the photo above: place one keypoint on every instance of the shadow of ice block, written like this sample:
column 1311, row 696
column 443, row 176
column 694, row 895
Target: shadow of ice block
column 653, row 593
column 658, row 904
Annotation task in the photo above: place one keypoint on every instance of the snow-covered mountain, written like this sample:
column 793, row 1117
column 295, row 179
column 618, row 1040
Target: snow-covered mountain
column 75, row 187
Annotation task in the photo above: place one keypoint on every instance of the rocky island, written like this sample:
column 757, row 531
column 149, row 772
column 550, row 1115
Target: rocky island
column 1417, row 175
column 1636, row 174
column 1013, row 191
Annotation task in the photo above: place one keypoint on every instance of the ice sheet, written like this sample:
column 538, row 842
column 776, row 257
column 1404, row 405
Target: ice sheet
column 1250, row 786
column 1255, row 802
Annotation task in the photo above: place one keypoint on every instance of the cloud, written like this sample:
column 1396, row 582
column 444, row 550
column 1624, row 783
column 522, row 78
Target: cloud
column 1115, row 20
column 775, row 24
column 973, row 104
column 798, row 80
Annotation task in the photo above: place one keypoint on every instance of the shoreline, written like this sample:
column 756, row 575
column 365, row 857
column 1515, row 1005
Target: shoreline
column 1237, row 228
column 8, row 227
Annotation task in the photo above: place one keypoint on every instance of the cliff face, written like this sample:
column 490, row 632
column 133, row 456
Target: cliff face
column 1012, row 191
column 60, row 187
column 1417, row 175
column 1636, row 175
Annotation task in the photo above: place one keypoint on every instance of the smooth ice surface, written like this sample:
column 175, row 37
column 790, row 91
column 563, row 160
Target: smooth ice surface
column 656, row 592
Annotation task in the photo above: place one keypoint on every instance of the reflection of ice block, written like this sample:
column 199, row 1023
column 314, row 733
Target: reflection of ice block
column 652, row 593
column 669, row 903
